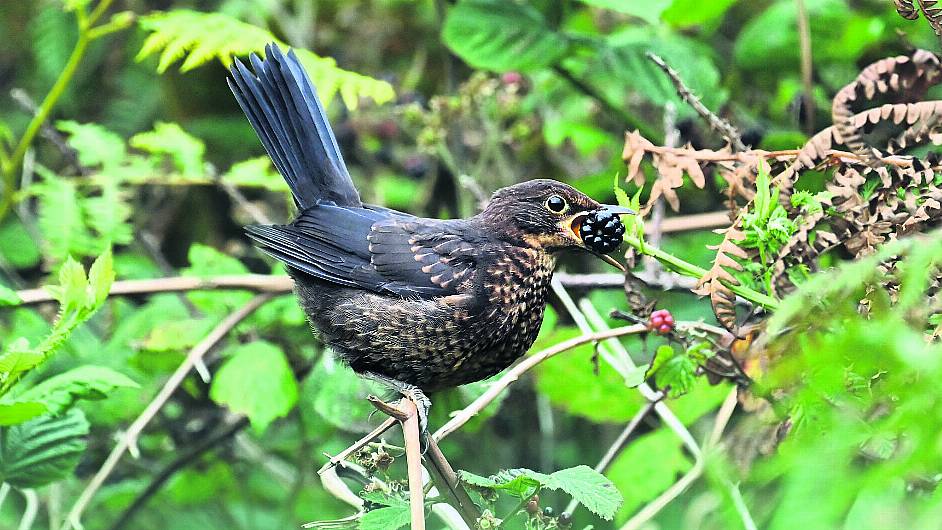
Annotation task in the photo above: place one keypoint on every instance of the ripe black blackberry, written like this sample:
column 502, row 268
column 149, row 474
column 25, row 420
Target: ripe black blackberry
column 602, row 231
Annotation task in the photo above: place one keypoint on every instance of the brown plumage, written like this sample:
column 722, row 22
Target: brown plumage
column 423, row 303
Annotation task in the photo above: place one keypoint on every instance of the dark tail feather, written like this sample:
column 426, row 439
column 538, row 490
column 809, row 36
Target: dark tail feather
column 282, row 105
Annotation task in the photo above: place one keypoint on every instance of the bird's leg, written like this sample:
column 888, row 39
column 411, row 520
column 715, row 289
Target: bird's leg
column 412, row 393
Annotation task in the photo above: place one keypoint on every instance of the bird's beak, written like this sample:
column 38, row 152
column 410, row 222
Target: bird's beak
column 617, row 210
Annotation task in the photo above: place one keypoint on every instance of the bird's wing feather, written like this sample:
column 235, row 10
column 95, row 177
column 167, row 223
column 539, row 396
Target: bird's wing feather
column 374, row 249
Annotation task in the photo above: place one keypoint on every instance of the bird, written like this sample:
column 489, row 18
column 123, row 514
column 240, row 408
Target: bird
column 417, row 304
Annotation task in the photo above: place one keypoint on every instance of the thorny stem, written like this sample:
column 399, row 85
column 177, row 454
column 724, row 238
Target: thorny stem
column 87, row 33
column 689, row 269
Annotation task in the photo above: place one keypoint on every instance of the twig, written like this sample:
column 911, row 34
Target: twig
column 654, row 507
column 445, row 475
column 807, row 65
column 616, row 447
column 128, row 442
column 264, row 283
column 629, row 121
column 366, row 439
column 514, row 373
column 236, row 195
column 31, row 510
column 191, row 455
column 726, row 129
column 405, row 412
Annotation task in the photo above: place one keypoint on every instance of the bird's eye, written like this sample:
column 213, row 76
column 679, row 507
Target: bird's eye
column 556, row 204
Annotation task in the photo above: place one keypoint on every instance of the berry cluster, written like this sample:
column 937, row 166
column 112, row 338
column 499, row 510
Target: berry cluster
column 661, row 321
column 602, row 232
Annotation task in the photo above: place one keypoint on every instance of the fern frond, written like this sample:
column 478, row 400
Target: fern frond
column 198, row 38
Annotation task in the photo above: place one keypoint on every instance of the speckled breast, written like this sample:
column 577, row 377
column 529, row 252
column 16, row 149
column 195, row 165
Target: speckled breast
column 516, row 286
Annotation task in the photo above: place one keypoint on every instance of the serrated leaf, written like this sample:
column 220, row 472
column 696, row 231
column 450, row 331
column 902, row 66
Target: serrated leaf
column 257, row 381
column 18, row 357
column 597, row 493
column 61, row 224
column 60, row 392
column 42, row 450
column 388, row 518
column 678, row 373
column 500, row 36
column 169, row 139
column 201, row 37
column 19, row 411
column 95, row 145
column 100, row 279
column 520, row 483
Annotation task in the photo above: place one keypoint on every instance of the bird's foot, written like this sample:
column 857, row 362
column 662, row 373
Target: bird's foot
column 413, row 394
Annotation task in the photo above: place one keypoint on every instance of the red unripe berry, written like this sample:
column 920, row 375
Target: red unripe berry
column 664, row 328
column 511, row 78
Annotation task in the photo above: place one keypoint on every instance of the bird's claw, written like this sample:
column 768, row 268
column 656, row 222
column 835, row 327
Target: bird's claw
column 414, row 394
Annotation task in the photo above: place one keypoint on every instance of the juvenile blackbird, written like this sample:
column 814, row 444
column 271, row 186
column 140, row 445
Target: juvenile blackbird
column 419, row 304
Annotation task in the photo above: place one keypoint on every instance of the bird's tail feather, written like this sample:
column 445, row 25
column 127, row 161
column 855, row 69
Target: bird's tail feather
column 282, row 105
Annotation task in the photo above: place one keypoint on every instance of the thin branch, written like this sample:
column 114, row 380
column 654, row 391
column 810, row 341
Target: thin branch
column 654, row 507
column 629, row 121
column 264, row 283
column 191, row 455
column 406, row 412
column 128, row 442
column 445, row 475
column 807, row 65
column 362, row 442
column 723, row 127
column 514, row 373
column 31, row 510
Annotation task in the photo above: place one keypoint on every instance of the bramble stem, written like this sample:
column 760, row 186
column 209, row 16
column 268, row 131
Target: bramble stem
column 689, row 269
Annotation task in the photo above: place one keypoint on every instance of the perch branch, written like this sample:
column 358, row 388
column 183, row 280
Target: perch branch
column 447, row 479
column 276, row 284
column 128, row 442
column 407, row 414
column 362, row 442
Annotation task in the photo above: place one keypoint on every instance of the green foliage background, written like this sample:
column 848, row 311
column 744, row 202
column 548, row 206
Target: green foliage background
column 145, row 162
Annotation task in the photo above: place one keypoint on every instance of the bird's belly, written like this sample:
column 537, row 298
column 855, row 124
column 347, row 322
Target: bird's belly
column 437, row 343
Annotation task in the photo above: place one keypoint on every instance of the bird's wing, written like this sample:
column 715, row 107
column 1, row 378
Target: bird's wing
column 375, row 249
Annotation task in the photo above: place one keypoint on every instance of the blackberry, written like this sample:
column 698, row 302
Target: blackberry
column 602, row 232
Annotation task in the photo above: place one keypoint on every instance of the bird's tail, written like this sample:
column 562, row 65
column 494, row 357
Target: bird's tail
column 282, row 105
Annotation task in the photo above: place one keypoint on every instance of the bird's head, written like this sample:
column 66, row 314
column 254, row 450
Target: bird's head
column 546, row 214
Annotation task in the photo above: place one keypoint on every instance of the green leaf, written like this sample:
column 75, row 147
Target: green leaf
column 499, row 35
column 17, row 246
column 388, row 518
column 169, row 139
column 570, row 383
column 202, row 37
column 95, row 145
column 679, row 373
column 8, row 296
column 19, row 411
column 597, row 493
column 583, row 483
column 620, row 65
column 650, row 11
column 60, row 392
column 686, row 13
column 18, row 357
column 257, row 173
column 61, row 222
column 42, row 450
column 257, row 381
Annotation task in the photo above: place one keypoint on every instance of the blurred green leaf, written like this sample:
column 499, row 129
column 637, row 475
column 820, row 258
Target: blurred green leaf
column 60, row 392
column 169, row 139
column 15, row 412
column 500, row 36
column 340, row 395
column 257, row 381
column 569, row 381
column 95, row 145
column 8, row 296
column 202, row 37
column 42, row 450
column 648, row 466
column 649, row 11
column 693, row 12
column 17, row 246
